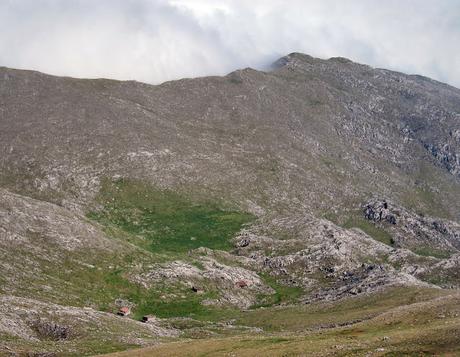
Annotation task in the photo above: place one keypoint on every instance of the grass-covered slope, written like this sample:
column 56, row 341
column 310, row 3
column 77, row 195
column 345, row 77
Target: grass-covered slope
column 61, row 259
column 171, row 226
column 398, row 322
column 168, row 221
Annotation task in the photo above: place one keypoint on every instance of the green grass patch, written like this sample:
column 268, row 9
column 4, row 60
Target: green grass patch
column 422, row 198
column 167, row 220
column 432, row 252
column 184, row 304
column 283, row 293
column 107, row 282
column 331, row 216
column 369, row 228
column 169, row 225
column 300, row 317
column 97, row 286
column 198, row 264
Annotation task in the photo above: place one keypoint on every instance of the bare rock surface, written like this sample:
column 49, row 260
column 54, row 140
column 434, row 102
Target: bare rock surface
column 411, row 230
column 23, row 219
column 311, row 134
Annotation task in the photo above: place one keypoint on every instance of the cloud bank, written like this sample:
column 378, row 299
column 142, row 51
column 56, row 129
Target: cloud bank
column 158, row 40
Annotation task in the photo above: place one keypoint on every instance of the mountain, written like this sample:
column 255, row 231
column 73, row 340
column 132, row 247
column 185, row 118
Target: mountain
column 322, row 196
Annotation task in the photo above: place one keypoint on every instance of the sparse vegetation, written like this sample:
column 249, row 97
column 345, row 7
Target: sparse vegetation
column 432, row 252
column 369, row 228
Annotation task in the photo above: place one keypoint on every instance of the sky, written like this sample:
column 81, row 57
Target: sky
column 158, row 40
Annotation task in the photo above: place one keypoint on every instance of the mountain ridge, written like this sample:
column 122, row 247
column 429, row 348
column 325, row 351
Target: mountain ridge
column 318, row 182
column 273, row 66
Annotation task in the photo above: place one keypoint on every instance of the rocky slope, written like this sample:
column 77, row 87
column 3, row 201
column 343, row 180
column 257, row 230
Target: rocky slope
column 317, row 180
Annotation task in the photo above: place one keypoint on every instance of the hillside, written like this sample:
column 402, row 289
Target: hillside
column 212, row 202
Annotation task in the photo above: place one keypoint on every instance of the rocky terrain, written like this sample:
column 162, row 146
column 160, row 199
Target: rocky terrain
column 204, row 203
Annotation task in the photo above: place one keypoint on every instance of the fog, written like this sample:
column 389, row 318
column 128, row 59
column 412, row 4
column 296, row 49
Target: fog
column 159, row 40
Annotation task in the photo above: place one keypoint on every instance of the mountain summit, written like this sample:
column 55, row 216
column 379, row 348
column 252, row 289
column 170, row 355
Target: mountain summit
column 218, row 206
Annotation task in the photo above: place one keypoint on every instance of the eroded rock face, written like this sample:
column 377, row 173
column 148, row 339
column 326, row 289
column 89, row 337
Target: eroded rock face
column 446, row 156
column 331, row 262
column 51, row 330
column 368, row 279
column 378, row 211
column 413, row 231
column 237, row 286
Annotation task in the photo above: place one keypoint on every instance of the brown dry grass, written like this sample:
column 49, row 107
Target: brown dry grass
column 422, row 328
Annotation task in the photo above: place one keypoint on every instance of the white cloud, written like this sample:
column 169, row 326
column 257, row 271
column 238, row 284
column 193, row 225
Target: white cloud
column 158, row 40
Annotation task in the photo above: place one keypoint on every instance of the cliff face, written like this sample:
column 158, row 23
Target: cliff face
column 325, row 178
